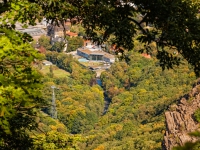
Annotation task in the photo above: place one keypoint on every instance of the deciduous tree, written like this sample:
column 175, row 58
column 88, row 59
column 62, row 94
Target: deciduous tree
column 20, row 86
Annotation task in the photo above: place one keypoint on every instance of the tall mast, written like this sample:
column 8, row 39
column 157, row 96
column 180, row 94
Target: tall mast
column 53, row 104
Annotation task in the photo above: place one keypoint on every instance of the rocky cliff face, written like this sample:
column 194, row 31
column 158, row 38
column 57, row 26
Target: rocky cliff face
column 180, row 120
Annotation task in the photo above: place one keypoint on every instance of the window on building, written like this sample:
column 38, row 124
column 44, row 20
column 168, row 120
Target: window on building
column 97, row 57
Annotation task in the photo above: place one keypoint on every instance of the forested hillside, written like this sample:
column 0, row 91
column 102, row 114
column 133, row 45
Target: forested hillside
column 139, row 90
column 79, row 101
column 140, row 93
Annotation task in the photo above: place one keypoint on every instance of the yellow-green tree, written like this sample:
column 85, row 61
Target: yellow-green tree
column 20, row 90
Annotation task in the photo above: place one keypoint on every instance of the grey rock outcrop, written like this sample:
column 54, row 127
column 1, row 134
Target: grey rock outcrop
column 180, row 120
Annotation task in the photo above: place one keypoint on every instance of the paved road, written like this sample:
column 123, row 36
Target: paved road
column 98, row 72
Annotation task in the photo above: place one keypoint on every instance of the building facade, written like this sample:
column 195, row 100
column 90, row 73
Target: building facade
column 36, row 33
column 95, row 54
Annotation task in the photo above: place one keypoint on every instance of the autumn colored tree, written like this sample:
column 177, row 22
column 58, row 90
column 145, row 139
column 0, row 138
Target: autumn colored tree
column 172, row 25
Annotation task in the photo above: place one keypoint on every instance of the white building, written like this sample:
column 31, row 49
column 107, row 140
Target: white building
column 94, row 53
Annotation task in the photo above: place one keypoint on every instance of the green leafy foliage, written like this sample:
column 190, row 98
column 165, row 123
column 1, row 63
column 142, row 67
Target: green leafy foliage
column 165, row 22
column 44, row 41
column 197, row 115
column 52, row 134
column 58, row 47
column 66, row 62
column 20, row 90
column 74, row 43
column 79, row 105
column 84, row 106
column 78, row 28
column 140, row 93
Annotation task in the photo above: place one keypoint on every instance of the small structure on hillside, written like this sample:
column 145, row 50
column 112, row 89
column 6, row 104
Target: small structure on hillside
column 47, row 63
column 146, row 55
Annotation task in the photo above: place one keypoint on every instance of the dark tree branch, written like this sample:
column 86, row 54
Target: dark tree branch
column 139, row 25
column 143, row 19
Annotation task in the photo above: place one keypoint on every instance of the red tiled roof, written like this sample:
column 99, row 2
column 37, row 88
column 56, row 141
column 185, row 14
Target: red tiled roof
column 71, row 34
column 146, row 55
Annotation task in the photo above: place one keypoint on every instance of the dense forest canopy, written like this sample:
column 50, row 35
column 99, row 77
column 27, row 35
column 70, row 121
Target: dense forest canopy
column 140, row 93
column 172, row 26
